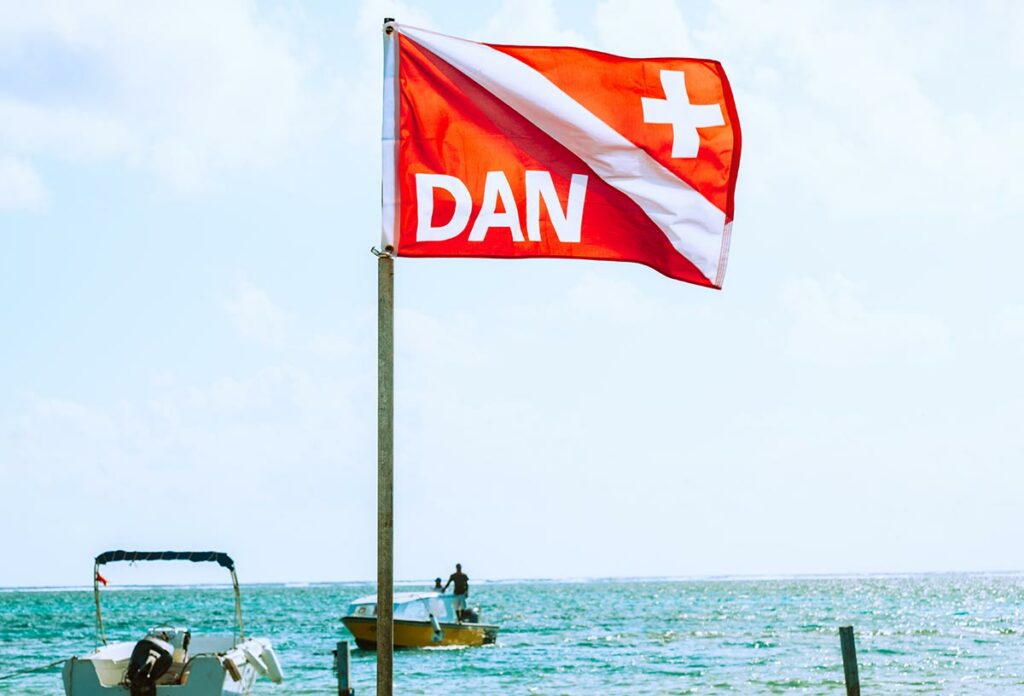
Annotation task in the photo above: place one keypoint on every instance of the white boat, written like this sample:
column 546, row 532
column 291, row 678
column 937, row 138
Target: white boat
column 170, row 661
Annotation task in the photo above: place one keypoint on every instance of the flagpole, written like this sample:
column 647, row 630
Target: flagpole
column 385, row 471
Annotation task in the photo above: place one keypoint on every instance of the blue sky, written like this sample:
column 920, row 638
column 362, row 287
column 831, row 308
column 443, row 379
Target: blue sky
column 188, row 195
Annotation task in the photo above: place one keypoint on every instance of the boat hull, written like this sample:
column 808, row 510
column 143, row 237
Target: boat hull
column 223, row 668
column 208, row 678
column 420, row 634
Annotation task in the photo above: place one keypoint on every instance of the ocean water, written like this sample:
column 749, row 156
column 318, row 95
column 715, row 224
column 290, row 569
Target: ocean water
column 950, row 634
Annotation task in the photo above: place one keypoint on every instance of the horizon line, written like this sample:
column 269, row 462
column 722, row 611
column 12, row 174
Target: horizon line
column 717, row 577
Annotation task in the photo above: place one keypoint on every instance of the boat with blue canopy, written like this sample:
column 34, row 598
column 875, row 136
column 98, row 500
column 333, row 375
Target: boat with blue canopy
column 170, row 660
column 421, row 620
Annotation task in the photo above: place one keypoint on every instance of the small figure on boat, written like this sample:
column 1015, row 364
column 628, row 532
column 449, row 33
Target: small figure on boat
column 437, row 586
column 460, row 591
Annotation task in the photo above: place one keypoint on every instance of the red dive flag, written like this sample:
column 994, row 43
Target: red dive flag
column 526, row 151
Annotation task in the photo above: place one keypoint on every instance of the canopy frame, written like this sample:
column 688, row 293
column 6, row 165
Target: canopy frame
column 219, row 558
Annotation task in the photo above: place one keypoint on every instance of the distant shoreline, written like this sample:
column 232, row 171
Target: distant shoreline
column 546, row 581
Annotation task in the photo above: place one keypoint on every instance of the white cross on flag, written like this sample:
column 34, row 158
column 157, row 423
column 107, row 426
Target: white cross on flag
column 677, row 110
column 524, row 151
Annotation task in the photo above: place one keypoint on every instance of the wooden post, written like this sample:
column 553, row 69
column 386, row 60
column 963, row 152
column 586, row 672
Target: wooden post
column 385, row 472
column 849, row 660
column 341, row 665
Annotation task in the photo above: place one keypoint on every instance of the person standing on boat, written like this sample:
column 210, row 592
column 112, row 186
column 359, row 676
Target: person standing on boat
column 460, row 592
column 437, row 586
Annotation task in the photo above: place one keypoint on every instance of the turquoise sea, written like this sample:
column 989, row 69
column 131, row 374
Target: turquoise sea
column 915, row 634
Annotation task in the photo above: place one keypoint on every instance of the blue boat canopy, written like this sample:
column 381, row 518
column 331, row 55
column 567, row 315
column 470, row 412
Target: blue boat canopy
column 194, row 556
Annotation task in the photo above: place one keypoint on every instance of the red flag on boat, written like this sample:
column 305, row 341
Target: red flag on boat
column 525, row 151
column 100, row 578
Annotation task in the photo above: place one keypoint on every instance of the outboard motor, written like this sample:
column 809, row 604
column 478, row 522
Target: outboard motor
column 150, row 660
column 471, row 615
column 178, row 637
column 438, row 635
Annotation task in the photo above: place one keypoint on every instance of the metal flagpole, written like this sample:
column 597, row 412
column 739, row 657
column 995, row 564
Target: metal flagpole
column 385, row 470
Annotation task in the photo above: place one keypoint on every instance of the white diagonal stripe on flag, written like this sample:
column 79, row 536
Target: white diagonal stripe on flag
column 695, row 227
column 389, row 146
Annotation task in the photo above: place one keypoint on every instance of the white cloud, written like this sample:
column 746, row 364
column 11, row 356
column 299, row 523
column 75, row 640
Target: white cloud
column 270, row 450
column 831, row 326
column 360, row 98
column 607, row 297
column 331, row 346
column 1011, row 321
column 20, row 185
column 254, row 314
column 861, row 106
column 187, row 90
column 67, row 131
column 528, row 22
column 659, row 29
column 436, row 343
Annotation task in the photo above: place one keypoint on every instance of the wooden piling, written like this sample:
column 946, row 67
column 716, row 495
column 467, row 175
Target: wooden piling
column 342, row 658
column 849, row 660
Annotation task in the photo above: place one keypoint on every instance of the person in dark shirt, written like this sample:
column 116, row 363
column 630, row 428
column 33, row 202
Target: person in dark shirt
column 460, row 592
